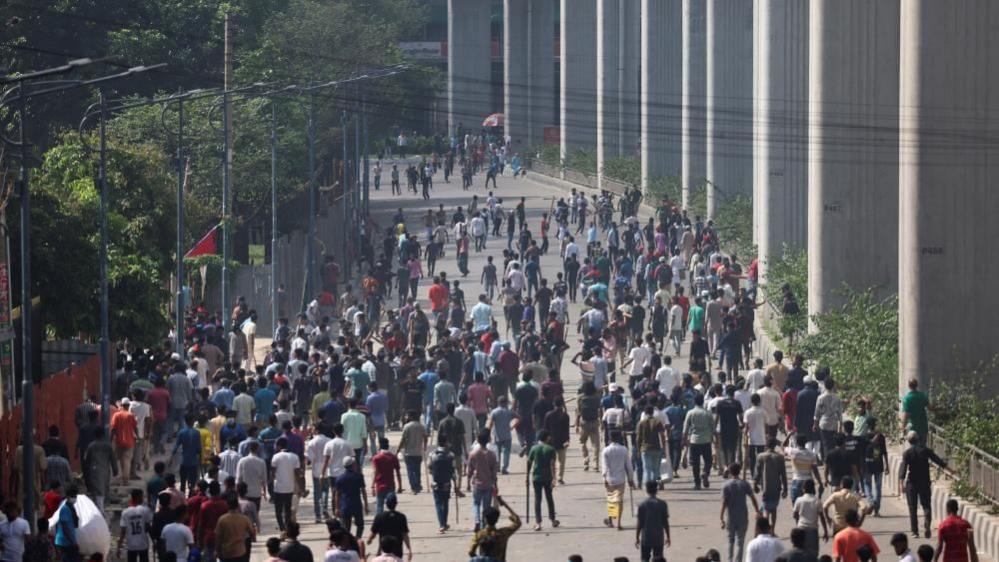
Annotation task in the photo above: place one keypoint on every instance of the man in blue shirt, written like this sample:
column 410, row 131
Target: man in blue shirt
column 377, row 404
column 66, row 526
column 189, row 445
column 348, row 493
column 264, row 398
column 224, row 396
column 430, row 380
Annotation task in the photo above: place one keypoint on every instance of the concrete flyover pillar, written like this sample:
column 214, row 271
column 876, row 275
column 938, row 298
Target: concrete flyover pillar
column 528, row 70
column 853, row 148
column 577, row 103
column 469, row 62
column 693, row 90
column 607, row 84
column 628, row 79
column 949, row 166
column 780, row 123
column 729, row 123
column 662, row 71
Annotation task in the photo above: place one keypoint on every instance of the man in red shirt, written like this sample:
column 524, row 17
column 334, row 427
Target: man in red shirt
column 438, row 297
column 123, row 426
column 955, row 538
column 387, row 473
column 211, row 511
column 159, row 402
column 851, row 539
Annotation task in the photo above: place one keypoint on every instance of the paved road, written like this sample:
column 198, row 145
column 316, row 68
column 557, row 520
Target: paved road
column 580, row 502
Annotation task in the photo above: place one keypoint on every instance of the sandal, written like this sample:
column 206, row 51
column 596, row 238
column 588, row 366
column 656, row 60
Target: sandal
column 555, row 523
column 537, row 527
column 607, row 522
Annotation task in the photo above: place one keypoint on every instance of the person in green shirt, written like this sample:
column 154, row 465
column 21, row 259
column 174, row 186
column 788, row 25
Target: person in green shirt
column 157, row 483
column 541, row 469
column 698, row 430
column 355, row 429
column 358, row 381
column 695, row 319
column 914, row 406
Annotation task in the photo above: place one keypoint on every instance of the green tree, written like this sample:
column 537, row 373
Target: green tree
column 65, row 244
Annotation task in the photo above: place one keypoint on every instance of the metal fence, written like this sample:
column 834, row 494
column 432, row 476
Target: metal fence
column 971, row 464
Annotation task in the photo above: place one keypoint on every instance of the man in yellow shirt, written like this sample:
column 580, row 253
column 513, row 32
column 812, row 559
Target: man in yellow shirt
column 778, row 371
column 842, row 501
column 497, row 538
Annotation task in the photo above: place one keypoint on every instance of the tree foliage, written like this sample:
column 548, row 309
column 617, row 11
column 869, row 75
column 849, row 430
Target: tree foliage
column 65, row 232
column 789, row 268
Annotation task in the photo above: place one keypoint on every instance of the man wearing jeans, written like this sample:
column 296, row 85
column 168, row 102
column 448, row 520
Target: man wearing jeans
column 443, row 474
column 412, row 445
column 734, row 516
column 483, row 473
column 914, row 478
column 314, row 449
column 499, row 423
column 651, row 442
column 386, row 468
column 285, row 470
column 828, row 416
column 698, row 430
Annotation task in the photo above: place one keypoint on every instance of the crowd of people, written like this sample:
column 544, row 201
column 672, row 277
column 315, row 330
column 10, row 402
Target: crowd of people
column 443, row 384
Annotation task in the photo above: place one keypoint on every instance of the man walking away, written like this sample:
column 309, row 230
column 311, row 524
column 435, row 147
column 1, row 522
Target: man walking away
column 914, row 478
column 541, row 466
column 956, row 540
column 734, row 516
column 652, row 527
column 771, row 478
column 765, row 547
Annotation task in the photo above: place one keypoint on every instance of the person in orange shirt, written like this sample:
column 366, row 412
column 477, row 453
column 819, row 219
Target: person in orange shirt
column 849, row 541
column 123, row 436
column 438, row 297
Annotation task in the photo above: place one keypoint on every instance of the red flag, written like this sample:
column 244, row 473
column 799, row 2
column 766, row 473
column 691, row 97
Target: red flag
column 207, row 246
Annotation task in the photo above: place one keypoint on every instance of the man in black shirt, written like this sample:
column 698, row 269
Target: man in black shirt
column 798, row 552
column 728, row 417
column 796, row 376
column 390, row 523
column 839, row 463
column 412, row 392
column 856, row 445
column 652, row 528
column 914, row 478
column 292, row 550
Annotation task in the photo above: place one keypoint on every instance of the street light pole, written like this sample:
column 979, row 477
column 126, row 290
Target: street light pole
column 179, row 312
column 274, row 219
column 310, row 289
column 226, row 162
column 27, row 369
column 105, row 341
column 367, row 167
column 345, row 181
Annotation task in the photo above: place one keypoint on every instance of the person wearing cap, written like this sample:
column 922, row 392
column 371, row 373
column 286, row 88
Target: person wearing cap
column 391, row 524
column 123, row 435
column 349, row 495
column 914, row 478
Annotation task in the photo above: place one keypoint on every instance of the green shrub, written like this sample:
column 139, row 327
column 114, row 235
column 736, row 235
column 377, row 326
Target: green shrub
column 734, row 223
column 663, row 187
column 625, row 169
column 697, row 206
column 858, row 342
column 584, row 161
column 790, row 268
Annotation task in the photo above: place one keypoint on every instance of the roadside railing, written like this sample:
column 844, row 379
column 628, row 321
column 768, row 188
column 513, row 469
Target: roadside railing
column 973, row 466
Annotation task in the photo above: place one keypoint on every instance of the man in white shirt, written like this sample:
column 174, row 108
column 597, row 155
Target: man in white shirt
column 638, row 358
column 135, row 522
column 314, row 453
column 252, row 470
column 481, row 315
column 755, row 424
column 617, row 471
column 900, row 543
column 13, row 533
column 668, row 377
column 754, row 379
column 177, row 539
column 571, row 249
column 478, row 226
column 828, row 416
column 285, row 470
column 765, row 547
column 516, row 277
column 770, row 401
column 335, row 451
column 141, row 411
